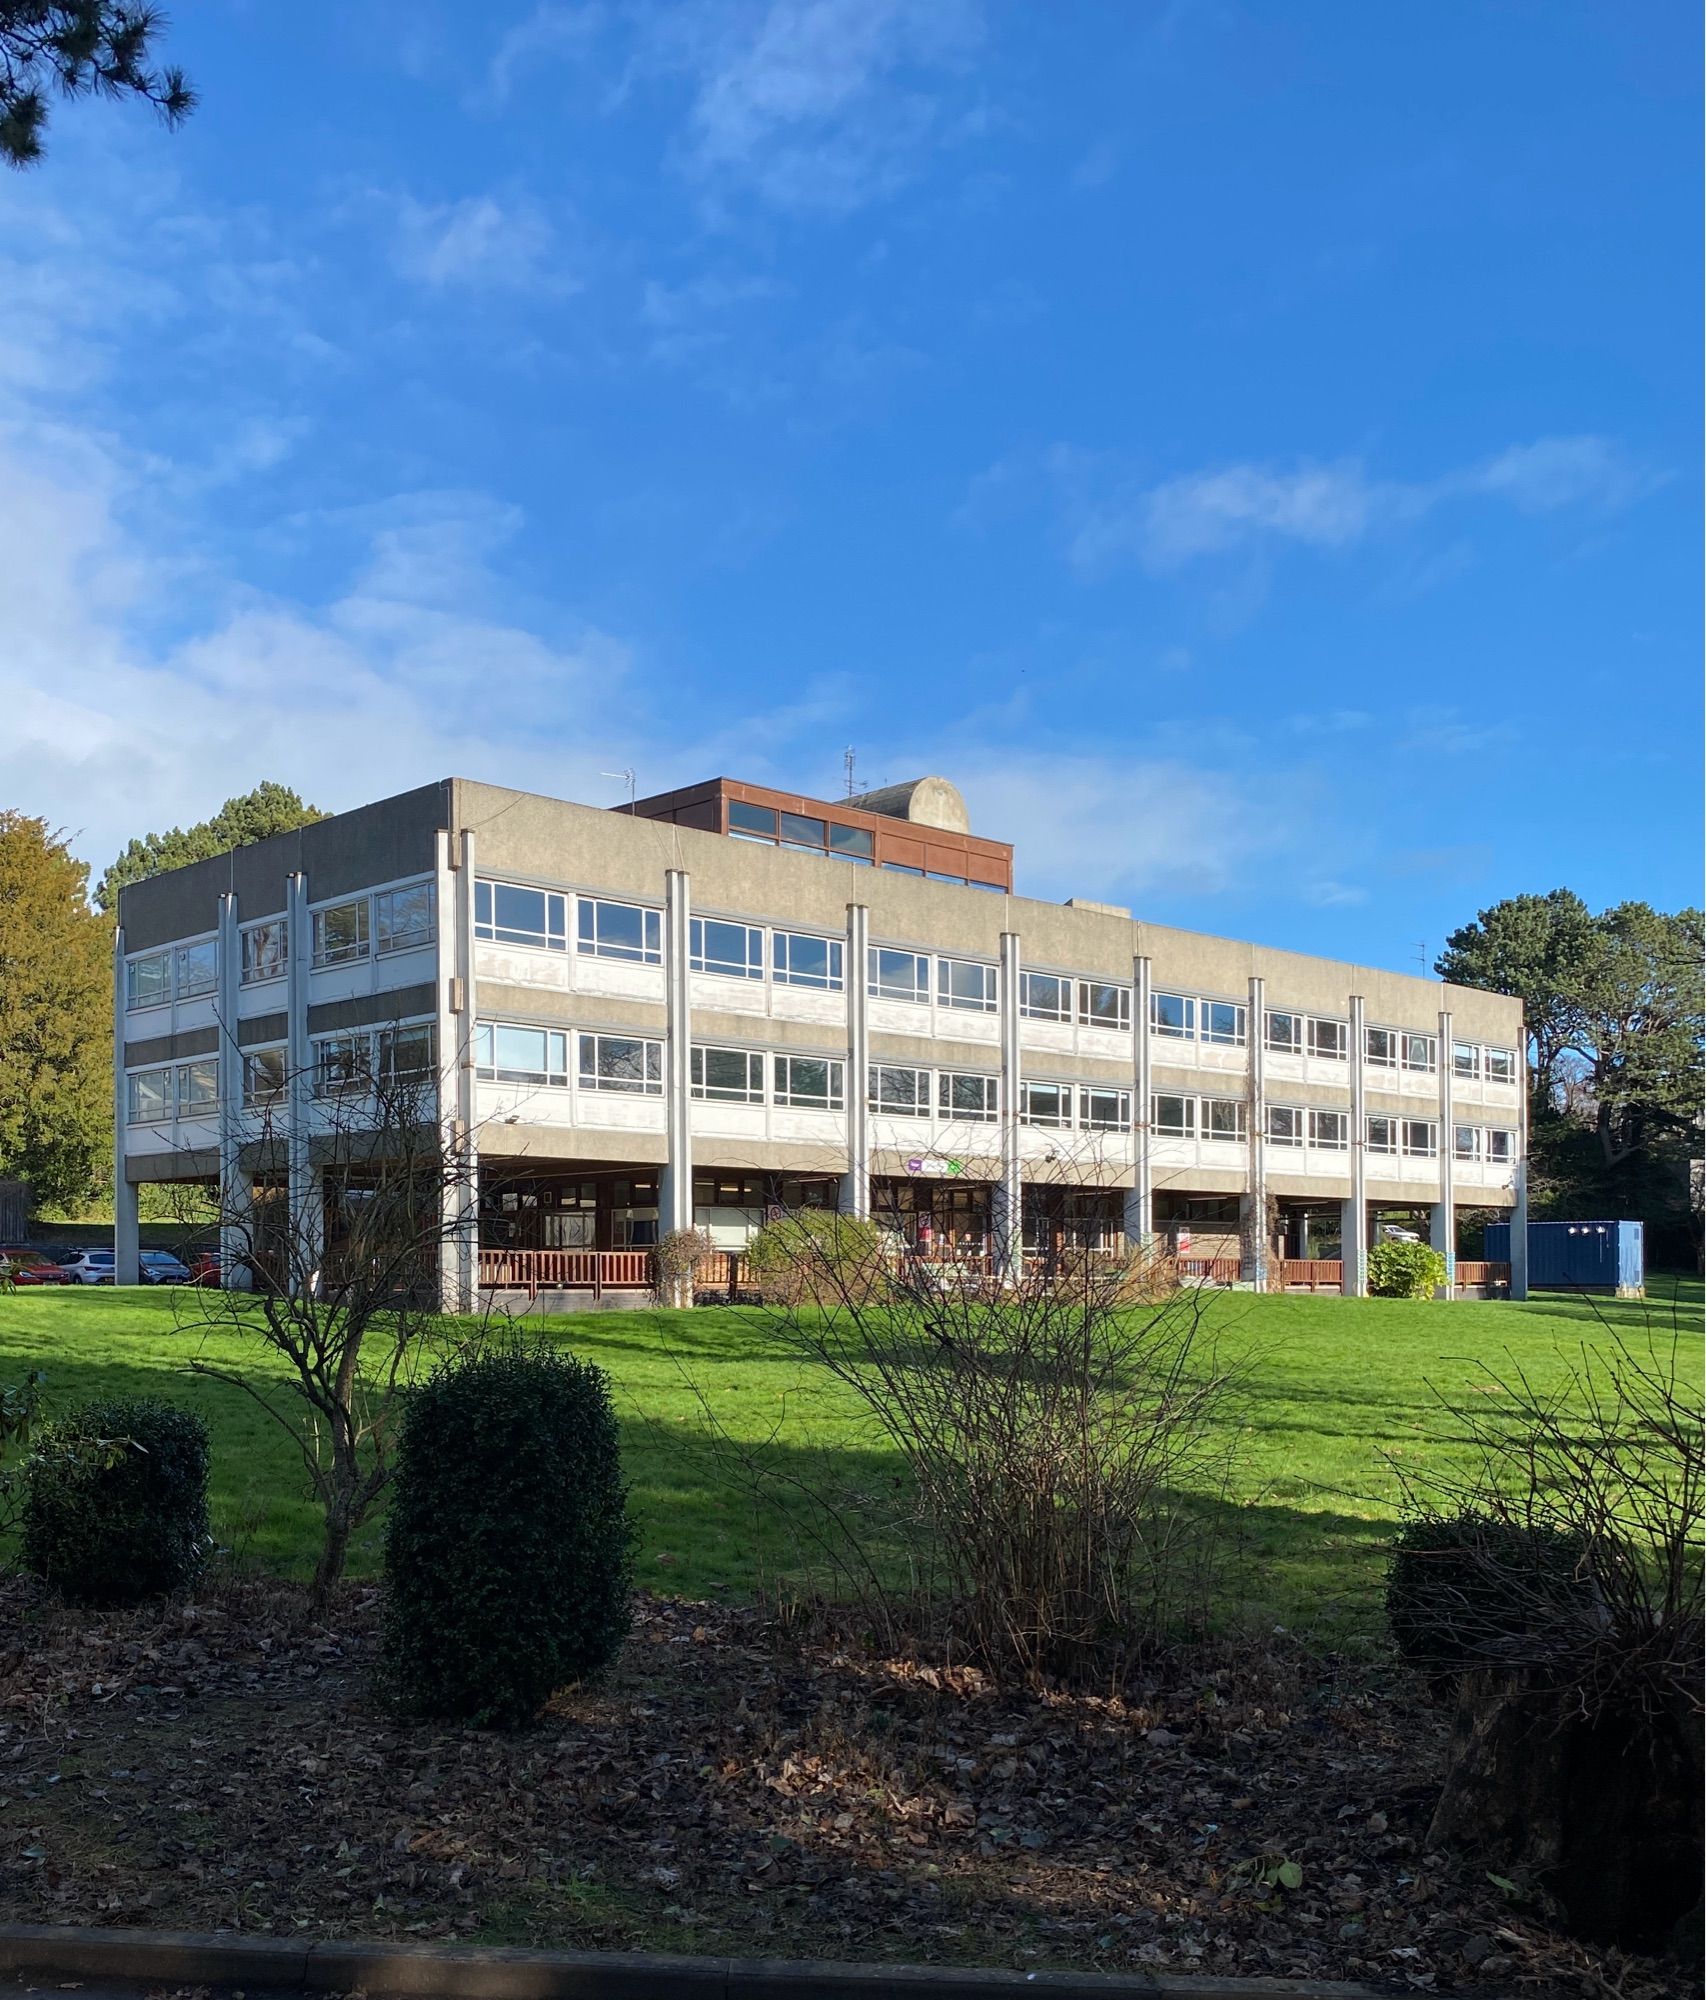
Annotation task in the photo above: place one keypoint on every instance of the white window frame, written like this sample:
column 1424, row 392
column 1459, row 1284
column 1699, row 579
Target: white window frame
column 384, row 930
column 1501, row 1146
column 1031, row 1114
column 386, row 1068
column 1033, row 1009
column 264, row 951
column 350, row 954
column 703, row 1091
column 1186, row 1128
column 1285, row 1125
column 1322, row 1144
column 1506, row 1065
column 590, row 943
column 1187, row 1032
column 357, row 1076
column 1088, row 1119
column 751, row 962
column 1236, row 1036
column 1327, row 1040
column 158, row 1076
column 195, row 1107
column 785, row 973
column 1209, row 1108
column 1466, row 1061
column 551, row 1074
column 1089, row 1017
column 1429, row 1148
column 162, row 960
column 789, row 1096
column 874, row 978
column 918, row 1107
column 254, row 1062
column 554, row 908
column 1429, row 1050
column 1383, row 1040
column 590, row 1074
column 1387, row 1144
column 1466, row 1142
column 1291, row 1047
column 988, row 1090
column 205, row 952
column 948, row 970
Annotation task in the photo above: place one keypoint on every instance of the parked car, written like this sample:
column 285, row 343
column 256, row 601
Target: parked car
column 160, row 1267
column 91, row 1267
column 32, row 1267
column 205, row 1268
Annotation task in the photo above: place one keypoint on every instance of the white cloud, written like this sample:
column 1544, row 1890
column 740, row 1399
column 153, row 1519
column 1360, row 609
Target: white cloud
column 1329, row 895
column 1111, row 520
column 817, row 104
column 477, row 241
column 550, row 34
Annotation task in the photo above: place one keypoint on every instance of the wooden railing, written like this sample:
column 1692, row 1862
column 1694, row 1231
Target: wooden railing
column 1473, row 1271
column 595, row 1271
column 1311, row 1271
column 1211, row 1270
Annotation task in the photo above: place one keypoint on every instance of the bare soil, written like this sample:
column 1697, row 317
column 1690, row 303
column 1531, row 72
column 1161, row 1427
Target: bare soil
column 732, row 1787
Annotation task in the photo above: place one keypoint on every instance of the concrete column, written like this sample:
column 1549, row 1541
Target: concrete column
column 1253, row 1207
column 1007, row 1207
column 307, row 1198
column 126, row 1269
column 855, row 1192
column 1442, row 1223
column 1140, row 1197
column 675, row 1187
column 1519, row 1214
column 236, row 1188
column 1353, row 1246
column 459, row 1225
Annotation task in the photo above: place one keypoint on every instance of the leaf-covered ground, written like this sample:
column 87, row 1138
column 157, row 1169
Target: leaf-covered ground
column 730, row 1789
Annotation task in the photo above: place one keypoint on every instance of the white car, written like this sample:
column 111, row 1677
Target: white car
column 1391, row 1233
column 92, row 1267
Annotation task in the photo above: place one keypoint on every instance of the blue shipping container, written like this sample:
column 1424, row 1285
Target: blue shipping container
column 1567, row 1256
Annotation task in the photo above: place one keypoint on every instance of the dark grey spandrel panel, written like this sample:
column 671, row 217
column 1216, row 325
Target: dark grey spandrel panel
column 383, row 842
column 171, row 1048
column 260, row 1030
column 367, row 1010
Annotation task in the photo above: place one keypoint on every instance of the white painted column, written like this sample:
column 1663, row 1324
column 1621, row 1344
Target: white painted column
column 307, row 1202
column 126, row 1243
column 1353, row 1245
column 1007, row 1204
column 1519, row 1214
column 459, row 1224
column 1442, row 1223
column 1140, row 1197
column 675, row 1186
column 1254, row 1206
column 236, row 1187
column 855, row 1192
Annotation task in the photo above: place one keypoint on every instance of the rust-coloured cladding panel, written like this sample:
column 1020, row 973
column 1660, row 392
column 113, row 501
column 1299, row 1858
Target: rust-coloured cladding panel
column 899, row 842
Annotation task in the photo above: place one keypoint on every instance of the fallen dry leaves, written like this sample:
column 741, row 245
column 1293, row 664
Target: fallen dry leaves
column 226, row 1764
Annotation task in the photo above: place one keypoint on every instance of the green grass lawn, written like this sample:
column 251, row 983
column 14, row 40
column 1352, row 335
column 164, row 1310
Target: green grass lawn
column 1335, row 1388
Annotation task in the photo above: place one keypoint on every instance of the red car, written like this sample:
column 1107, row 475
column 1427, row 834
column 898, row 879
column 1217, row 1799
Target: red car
column 204, row 1268
column 30, row 1267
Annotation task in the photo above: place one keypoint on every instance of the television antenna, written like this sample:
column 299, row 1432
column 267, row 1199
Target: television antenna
column 849, row 757
column 1421, row 950
column 627, row 777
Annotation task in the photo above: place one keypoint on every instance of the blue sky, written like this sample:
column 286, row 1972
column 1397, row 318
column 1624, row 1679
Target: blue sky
column 1253, row 450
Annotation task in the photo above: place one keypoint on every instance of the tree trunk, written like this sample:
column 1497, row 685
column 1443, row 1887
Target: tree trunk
column 1603, row 1813
column 334, row 1551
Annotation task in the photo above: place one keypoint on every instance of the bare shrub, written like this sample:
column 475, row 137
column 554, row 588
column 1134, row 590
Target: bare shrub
column 1576, row 1750
column 678, row 1255
column 1057, row 1443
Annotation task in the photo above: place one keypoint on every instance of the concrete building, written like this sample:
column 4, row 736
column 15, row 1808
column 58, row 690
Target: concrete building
column 700, row 1008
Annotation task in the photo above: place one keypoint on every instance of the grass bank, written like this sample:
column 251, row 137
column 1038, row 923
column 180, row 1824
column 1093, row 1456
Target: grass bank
column 1336, row 1390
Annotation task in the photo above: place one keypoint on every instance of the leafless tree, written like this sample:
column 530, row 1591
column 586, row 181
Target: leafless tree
column 342, row 1288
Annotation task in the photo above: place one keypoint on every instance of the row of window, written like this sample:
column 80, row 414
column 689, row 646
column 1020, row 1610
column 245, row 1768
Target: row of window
column 389, row 920
column 1472, row 1061
column 187, row 1090
column 342, row 1063
column 807, row 833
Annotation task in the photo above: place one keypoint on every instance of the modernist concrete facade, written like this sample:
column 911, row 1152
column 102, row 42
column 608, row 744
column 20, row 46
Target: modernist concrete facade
column 638, row 1025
